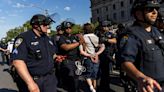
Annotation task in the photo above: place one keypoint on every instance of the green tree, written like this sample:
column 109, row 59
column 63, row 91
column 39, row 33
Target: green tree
column 77, row 29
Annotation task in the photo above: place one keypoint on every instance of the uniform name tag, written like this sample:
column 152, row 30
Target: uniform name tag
column 68, row 41
column 51, row 42
column 149, row 41
column 34, row 43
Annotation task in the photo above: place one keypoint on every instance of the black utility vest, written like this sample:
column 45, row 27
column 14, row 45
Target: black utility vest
column 151, row 56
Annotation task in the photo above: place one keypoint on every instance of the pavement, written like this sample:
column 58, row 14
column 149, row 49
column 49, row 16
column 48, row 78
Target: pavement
column 7, row 84
column 6, row 81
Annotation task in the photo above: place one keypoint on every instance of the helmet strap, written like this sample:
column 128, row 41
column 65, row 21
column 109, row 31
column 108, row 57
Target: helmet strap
column 39, row 29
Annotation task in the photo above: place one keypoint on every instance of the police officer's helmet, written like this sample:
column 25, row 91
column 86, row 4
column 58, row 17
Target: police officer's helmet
column 142, row 4
column 40, row 19
column 66, row 24
column 105, row 23
column 58, row 27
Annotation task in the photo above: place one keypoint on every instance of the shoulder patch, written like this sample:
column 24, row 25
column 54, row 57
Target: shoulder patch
column 123, row 41
column 125, row 37
column 18, row 42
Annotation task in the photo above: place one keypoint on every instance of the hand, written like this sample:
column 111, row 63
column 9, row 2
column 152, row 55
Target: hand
column 60, row 58
column 148, row 85
column 33, row 87
column 7, row 52
column 95, row 58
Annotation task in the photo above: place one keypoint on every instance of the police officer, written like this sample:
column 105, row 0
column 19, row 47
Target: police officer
column 160, row 22
column 33, row 58
column 55, row 39
column 141, row 49
column 69, row 47
column 106, row 58
column 4, row 51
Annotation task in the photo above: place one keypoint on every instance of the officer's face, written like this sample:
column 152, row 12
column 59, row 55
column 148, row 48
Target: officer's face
column 68, row 30
column 60, row 32
column 44, row 28
column 151, row 14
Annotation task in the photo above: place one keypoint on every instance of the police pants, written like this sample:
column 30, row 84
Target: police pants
column 104, row 72
column 46, row 83
column 69, row 79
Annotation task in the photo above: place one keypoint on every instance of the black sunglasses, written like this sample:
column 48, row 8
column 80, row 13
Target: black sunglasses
column 150, row 9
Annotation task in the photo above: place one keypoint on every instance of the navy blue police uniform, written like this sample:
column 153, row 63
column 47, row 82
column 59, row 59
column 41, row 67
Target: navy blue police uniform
column 106, row 65
column 145, row 50
column 55, row 39
column 68, row 68
column 37, row 53
column 4, row 55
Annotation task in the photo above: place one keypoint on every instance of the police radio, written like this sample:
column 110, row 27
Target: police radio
column 159, row 41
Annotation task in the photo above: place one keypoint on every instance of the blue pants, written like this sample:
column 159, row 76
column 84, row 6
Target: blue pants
column 91, row 69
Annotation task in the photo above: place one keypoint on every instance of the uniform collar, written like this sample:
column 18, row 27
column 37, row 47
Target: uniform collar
column 37, row 35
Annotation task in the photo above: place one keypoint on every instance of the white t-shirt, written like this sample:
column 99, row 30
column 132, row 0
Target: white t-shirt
column 89, row 47
column 10, row 47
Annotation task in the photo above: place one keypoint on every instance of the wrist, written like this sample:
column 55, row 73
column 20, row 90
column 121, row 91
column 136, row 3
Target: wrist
column 141, row 77
column 31, row 81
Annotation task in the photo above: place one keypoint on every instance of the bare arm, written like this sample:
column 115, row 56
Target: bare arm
column 71, row 46
column 113, row 40
column 1, row 49
column 101, row 49
column 82, row 52
column 25, row 75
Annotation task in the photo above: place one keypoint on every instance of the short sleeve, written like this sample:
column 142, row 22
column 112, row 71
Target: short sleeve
column 61, row 40
column 19, row 50
column 128, row 48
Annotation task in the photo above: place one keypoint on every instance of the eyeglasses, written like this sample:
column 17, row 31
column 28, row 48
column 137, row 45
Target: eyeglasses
column 150, row 9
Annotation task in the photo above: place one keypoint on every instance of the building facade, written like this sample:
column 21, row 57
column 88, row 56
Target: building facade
column 115, row 10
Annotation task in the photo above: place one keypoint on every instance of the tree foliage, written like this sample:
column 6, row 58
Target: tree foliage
column 12, row 33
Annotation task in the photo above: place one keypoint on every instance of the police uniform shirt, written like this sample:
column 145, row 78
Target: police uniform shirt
column 36, row 52
column 110, row 48
column 129, row 48
column 71, row 54
column 144, row 51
